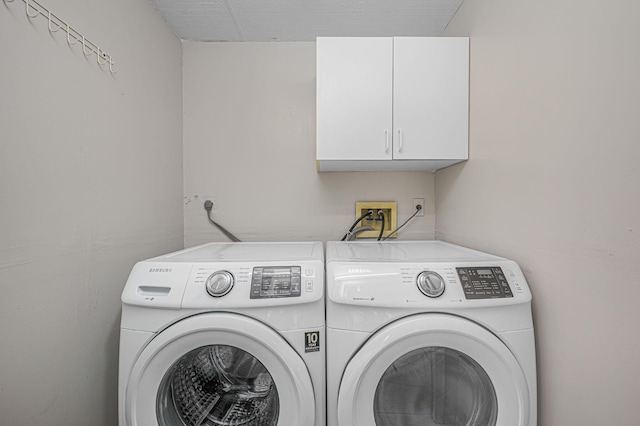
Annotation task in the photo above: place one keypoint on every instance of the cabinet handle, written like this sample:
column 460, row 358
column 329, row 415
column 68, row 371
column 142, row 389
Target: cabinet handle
column 386, row 141
column 400, row 141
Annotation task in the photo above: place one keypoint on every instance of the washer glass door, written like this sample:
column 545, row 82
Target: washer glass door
column 219, row 369
column 433, row 369
column 217, row 385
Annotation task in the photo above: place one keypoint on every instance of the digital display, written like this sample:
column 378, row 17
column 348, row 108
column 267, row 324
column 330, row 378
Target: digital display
column 484, row 272
column 275, row 281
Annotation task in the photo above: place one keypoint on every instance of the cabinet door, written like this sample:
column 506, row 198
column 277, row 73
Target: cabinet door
column 431, row 100
column 354, row 98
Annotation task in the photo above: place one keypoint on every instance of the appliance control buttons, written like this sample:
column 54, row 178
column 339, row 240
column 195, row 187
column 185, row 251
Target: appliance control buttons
column 219, row 283
column 430, row 283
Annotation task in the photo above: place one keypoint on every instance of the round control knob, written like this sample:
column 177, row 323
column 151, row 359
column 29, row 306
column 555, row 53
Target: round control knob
column 430, row 283
column 219, row 283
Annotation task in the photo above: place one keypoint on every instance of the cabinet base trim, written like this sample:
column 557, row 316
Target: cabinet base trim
column 384, row 165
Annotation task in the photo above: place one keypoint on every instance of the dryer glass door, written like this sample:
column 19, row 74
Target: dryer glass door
column 433, row 369
column 219, row 369
column 435, row 385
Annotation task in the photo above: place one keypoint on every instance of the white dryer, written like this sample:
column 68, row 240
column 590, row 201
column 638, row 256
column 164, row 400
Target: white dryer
column 225, row 334
column 427, row 333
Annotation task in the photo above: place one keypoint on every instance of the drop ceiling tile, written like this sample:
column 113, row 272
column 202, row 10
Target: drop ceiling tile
column 304, row 20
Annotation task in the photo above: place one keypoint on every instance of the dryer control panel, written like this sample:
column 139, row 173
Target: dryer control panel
column 486, row 282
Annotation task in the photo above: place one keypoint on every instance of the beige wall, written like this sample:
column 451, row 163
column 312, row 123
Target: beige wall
column 249, row 145
column 552, row 182
column 90, row 182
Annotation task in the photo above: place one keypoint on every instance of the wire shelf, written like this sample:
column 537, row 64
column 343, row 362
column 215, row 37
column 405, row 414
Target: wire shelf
column 33, row 9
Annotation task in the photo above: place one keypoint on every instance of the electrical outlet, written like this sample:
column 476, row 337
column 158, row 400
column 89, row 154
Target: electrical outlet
column 390, row 210
column 416, row 202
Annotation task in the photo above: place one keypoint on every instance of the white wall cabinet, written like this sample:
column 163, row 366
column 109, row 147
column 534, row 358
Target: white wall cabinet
column 391, row 103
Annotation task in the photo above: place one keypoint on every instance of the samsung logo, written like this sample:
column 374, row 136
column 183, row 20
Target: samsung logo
column 160, row 269
column 360, row 271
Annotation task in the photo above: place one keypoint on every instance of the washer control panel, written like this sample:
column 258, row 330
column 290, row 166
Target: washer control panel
column 485, row 282
column 276, row 281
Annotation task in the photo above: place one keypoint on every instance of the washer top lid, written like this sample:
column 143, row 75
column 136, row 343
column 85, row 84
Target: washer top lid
column 404, row 251
column 255, row 252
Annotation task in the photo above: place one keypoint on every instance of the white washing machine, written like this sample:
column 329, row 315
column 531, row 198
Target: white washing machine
column 225, row 334
column 427, row 333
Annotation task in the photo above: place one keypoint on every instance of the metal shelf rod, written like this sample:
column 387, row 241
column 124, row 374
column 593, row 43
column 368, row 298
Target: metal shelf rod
column 33, row 9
